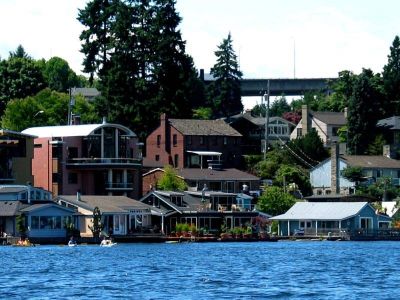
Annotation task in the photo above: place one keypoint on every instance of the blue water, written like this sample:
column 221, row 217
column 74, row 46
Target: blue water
column 282, row 270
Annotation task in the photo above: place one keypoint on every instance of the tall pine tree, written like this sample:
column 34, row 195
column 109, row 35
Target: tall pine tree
column 140, row 61
column 391, row 79
column 365, row 109
column 224, row 94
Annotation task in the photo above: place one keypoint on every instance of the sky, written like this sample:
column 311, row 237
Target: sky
column 272, row 39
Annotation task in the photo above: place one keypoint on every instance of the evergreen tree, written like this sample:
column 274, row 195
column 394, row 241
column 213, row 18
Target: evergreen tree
column 140, row 61
column 279, row 107
column 391, row 79
column 365, row 109
column 224, row 94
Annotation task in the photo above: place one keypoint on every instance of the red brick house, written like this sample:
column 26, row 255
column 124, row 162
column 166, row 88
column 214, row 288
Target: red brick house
column 187, row 143
column 92, row 159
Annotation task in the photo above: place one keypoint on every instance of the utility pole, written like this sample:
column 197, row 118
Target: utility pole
column 266, row 98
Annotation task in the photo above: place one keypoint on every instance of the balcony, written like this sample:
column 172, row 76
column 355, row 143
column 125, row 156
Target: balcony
column 121, row 186
column 100, row 163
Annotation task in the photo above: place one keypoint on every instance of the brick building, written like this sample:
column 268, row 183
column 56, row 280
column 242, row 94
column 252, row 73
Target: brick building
column 186, row 143
column 92, row 159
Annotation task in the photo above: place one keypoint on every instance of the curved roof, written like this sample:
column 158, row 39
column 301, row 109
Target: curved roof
column 72, row 130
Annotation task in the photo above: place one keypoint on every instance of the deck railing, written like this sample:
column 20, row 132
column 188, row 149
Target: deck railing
column 97, row 161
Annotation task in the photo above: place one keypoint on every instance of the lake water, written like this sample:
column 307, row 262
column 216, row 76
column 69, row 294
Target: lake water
column 282, row 270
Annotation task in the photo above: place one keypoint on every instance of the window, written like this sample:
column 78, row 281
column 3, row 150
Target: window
column 225, row 140
column 335, row 131
column 188, row 140
column 157, row 157
column 72, row 152
column 158, row 140
column 176, row 160
column 37, row 146
column 202, row 140
column 299, row 132
column 72, row 178
column 215, row 140
column 174, row 140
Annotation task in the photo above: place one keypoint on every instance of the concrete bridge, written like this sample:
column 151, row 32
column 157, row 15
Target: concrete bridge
column 278, row 87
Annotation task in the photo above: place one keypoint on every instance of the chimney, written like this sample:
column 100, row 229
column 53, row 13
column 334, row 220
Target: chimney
column 335, row 169
column 387, row 151
column 201, row 75
column 78, row 196
column 305, row 120
column 165, row 131
column 104, row 120
column 76, row 119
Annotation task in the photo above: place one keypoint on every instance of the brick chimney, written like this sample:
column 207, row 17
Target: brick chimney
column 165, row 131
column 335, row 169
column 305, row 120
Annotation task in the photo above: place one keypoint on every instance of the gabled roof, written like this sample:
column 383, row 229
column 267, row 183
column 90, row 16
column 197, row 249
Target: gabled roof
column 41, row 206
column 258, row 121
column 211, row 174
column 333, row 211
column 10, row 208
column 392, row 123
column 328, row 117
column 106, row 204
column 371, row 161
column 5, row 132
column 72, row 130
column 203, row 127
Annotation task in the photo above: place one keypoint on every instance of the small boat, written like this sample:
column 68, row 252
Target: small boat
column 72, row 244
column 107, row 243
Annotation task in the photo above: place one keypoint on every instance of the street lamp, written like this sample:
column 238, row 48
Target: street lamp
column 39, row 112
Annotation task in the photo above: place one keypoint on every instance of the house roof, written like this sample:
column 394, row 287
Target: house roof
column 371, row 161
column 333, row 118
column 106, row 204
column 258, row 121
column 321, row 211
column 203, row 127
column 4, row 132
column 8, row 189
column 211, row 174
column 10, row 208
column 72, row 130
column 392, row 123
column 34, row 207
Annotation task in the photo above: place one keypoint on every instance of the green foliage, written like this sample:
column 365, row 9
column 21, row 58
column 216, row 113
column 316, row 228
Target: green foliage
column 202, row 113
column 376, row 146
column 224, row 93
column 275, row 201
column 59, row 76
column 309, row 149
column 391, row 79
column 290, row 174
column 21, row 224
column 97, row 226
column 343, row 89
column 259, row 110
column 382, row 189
column 136, row 50
column 365, row 109
column 24, row 113
column 20, row 77
column 266, row 169
column 353, row 174
column 279, row 107
column 169, row 181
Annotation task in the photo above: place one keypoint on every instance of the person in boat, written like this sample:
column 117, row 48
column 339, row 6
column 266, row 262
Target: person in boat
column 72, row 241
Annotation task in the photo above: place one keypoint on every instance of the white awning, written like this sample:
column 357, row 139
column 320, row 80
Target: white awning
column 205, row 153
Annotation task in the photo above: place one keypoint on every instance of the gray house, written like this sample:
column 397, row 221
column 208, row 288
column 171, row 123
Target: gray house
column 336, row 218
